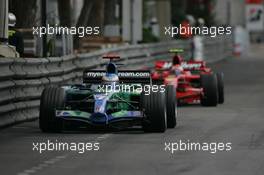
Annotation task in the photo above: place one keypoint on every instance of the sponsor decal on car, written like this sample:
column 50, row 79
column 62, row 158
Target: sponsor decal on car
column 120, row 74
column 186, row 65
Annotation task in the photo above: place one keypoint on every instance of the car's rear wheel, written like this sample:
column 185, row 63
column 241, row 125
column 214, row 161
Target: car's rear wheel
column 171, row 106
column 210, row 92
column 155, row 111
column 51, row 99
column 220, row 86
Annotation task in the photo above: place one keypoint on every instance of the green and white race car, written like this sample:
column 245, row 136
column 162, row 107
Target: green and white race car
column 111, row 98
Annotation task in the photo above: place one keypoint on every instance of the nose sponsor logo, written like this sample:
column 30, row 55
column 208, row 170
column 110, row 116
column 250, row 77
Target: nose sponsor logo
column 100, row 101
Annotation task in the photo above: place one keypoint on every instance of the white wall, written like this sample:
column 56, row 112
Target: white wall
column 52, row 12
column 3, row 18
column 232, row 11
column 132, row 20
column 163, row 9
column 76, row 9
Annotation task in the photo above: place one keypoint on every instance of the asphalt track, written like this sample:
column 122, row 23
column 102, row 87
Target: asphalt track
column 239, row 121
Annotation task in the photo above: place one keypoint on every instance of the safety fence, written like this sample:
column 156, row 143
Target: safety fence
column 23, row 79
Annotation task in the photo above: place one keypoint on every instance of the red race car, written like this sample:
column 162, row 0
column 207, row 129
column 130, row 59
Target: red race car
column 194, row 82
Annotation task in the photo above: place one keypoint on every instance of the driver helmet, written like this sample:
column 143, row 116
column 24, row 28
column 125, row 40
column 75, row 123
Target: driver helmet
column 177, row 59
column 110, row 78
column 11, row 20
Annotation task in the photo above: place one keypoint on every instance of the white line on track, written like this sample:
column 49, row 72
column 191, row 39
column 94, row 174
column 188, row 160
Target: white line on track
column 102, row 137
column 54, row 160
column 42, row 165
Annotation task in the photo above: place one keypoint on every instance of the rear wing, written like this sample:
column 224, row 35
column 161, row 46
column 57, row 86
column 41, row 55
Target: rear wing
column 176, row 51
column 111, row 56
column 125, row 76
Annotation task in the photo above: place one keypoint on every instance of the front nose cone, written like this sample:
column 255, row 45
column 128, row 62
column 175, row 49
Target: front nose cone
column 99, row 118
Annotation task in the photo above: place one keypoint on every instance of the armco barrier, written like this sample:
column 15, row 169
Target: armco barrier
column 23, row 79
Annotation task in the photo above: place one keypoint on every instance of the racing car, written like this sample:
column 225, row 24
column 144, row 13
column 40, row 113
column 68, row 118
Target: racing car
column 195, row 83
column 101, row 102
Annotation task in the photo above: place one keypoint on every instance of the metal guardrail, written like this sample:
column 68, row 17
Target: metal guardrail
column 23, row 79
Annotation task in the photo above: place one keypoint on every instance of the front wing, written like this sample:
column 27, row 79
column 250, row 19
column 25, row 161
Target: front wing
column 99, row 118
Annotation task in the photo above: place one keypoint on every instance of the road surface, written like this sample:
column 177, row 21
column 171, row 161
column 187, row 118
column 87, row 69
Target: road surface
column 239, row 121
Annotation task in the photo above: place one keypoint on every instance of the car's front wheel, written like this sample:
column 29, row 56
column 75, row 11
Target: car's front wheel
column 220, row 86
column 51, row 99
column 155, row 111
column 210, row 91
column 171, row 106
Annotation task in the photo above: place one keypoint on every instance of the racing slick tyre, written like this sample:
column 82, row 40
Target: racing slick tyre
column 210, row 92
column 155, row 111
column 220, row 86
column 51, row 98
column 171, row 106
